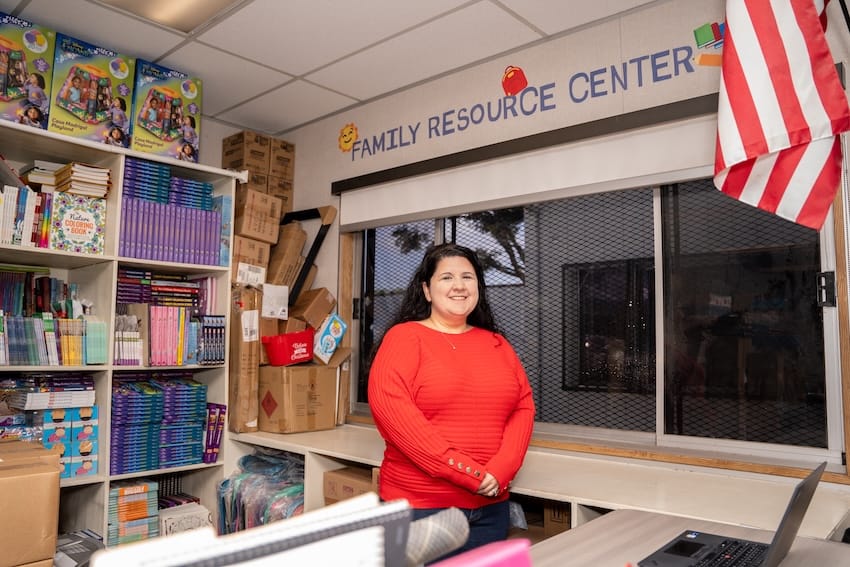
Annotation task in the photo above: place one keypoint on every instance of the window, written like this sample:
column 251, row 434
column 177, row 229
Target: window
column 613, row 298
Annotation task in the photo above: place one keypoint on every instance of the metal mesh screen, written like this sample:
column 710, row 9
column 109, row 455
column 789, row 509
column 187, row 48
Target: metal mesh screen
column 572, row 285
column 744, row 356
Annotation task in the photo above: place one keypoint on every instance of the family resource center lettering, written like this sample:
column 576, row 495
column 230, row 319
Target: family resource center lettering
column 530, row 101
column 582, row 86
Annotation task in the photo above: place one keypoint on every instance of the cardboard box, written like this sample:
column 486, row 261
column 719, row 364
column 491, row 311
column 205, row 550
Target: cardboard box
column 259, row 203
column 348, row 482
column 290, row 242
column 246, row 150
column 42, row 563
column 285, row 257
column 282, row 161
column 556, row 517
column 22, row 452
column 92, row 93
column 29, row 50
column 290, row 325
column 289, row 348
column 282, row 188
column 244, row 363
column 257, row 226
column 313, row 305
column 285, row 273
column 30, row 496
column 167, row 110
column 257, row 181
column 268, row 328
column 299, row 398
column 250, row 261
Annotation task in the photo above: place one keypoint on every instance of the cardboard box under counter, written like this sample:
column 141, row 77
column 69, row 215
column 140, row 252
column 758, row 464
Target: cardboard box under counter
column 348, row 482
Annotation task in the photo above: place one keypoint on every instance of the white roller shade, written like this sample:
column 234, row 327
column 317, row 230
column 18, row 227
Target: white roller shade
column 666, row 153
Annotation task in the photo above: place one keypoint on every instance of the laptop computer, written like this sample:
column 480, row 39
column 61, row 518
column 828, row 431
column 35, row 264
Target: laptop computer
column 692, row 548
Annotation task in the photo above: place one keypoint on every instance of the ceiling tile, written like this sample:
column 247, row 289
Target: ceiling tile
column 180, row 15
column 228, row 80
column 286, row 107
column 300, row 35
column 469, row 35
column 554, row 16
column 102, row 27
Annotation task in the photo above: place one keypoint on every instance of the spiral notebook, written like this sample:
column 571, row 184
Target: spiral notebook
column 355, row 516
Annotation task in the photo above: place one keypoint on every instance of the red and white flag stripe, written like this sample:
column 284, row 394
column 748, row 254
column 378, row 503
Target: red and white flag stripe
column 781, row 107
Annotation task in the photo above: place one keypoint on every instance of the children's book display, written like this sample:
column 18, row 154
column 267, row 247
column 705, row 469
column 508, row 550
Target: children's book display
column 161, row 210
column 69, row 242
column 162, row 420
column 69, row 215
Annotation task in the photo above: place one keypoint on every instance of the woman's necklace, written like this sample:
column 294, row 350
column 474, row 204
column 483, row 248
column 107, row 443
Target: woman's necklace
column 439, row 328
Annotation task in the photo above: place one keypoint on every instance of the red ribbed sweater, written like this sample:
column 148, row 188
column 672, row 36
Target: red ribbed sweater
column 448, row 415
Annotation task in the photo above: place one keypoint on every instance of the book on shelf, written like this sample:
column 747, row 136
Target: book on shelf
column 78, row 223
column 169, row 232
column 48, row 400
column 4, row 344
column 139, row 319
column 83, row 179
column 41, row 166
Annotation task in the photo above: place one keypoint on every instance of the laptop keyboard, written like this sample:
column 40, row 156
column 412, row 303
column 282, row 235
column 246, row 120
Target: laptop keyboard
column 732, row 553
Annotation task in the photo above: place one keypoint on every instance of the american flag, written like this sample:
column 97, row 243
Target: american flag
column 781, row 108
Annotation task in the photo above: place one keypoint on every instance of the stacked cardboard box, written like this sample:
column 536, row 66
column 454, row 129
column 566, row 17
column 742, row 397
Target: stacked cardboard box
column 282, row 172
column 257, row 215
column 286, row 258
column 270, row 163
column 260, row 203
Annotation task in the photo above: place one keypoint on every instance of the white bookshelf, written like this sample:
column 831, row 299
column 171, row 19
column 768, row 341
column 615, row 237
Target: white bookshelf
column 84, row 500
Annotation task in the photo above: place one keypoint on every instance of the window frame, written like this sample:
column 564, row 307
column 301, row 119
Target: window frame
column 663, row 447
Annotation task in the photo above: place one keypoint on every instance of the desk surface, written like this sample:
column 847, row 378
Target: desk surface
column 624, row 537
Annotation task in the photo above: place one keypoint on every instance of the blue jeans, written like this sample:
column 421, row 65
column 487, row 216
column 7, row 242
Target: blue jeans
column 486, row 524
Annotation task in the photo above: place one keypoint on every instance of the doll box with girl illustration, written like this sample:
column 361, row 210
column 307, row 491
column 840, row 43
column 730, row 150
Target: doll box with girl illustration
column 92, row 92
column 166, row 112
column 26, row 71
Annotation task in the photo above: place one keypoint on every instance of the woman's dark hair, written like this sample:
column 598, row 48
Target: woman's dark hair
column 415, row 307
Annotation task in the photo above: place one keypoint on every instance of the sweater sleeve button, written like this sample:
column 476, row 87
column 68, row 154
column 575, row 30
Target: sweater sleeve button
column 451, row 461
column 468, row 470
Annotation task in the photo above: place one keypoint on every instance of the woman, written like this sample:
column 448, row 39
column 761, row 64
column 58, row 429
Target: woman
column 451, row 399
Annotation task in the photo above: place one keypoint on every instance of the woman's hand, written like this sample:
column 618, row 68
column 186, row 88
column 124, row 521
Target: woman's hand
column 489, row 486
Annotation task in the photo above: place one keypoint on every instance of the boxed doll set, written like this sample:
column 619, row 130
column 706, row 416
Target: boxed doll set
column 166, row 112
column 92, row 92
column 26, row 71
